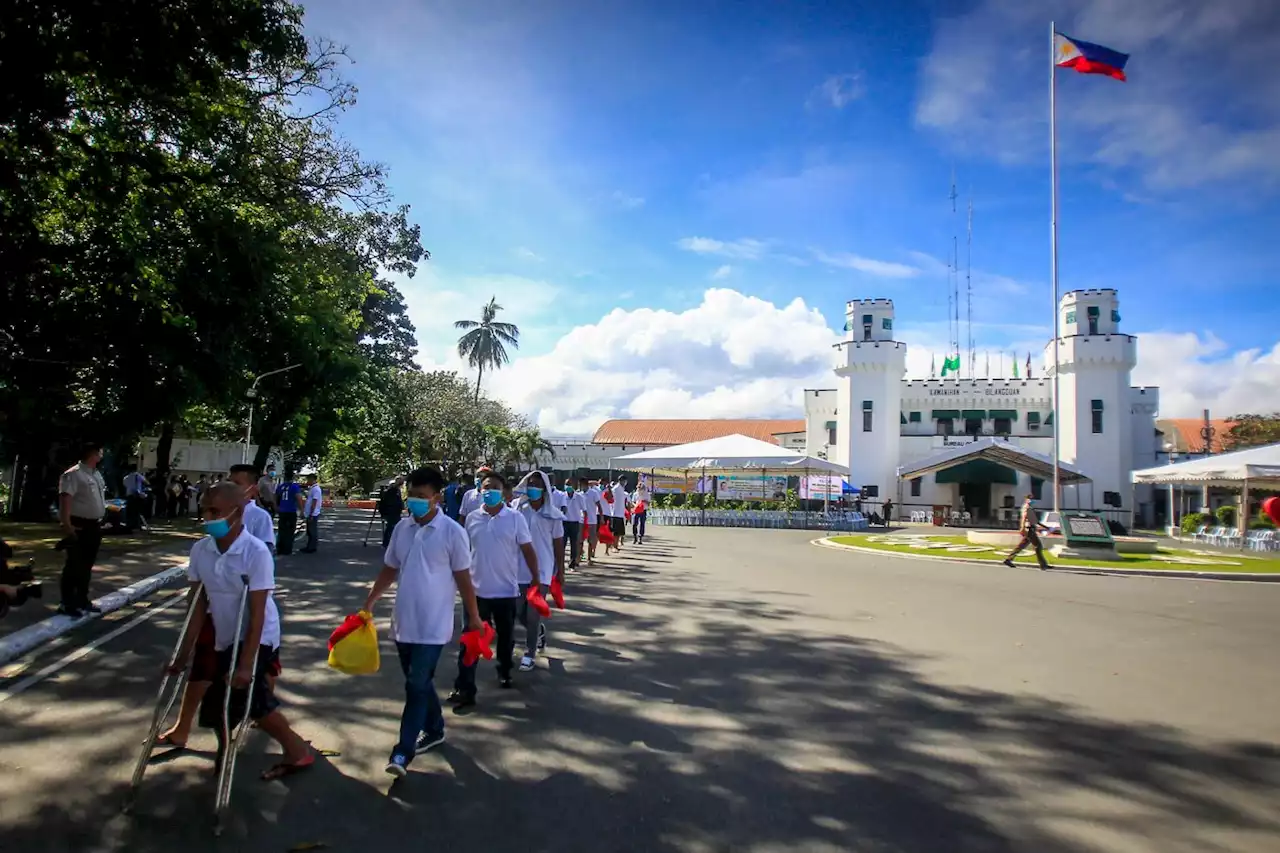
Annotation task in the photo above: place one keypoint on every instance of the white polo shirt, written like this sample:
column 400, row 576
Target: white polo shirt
column 575, row 506
column 427, row 556
column 314, row 499
column 545, row 525
column 223, row 577
column 559, row 500
column 619, row 501
column 470, row 503
column 595, row 504
column 87, row 490
column 258, row 522
column 497, row 562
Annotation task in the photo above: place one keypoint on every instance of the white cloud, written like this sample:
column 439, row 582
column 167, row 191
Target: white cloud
column 838, row 90
column 1196, row 373
column 883, row 269
column 627, row 202
column 746, row 249
column 1203, row 104
column 721, row 272
column 526, row 254
column 732, row 355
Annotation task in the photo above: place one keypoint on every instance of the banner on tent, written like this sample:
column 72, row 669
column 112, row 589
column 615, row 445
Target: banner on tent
column 822, row 487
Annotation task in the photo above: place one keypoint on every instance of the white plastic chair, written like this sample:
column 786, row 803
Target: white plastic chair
column 1201, row 533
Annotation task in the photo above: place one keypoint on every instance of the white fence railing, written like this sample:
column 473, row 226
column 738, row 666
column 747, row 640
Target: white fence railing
column 848, row 521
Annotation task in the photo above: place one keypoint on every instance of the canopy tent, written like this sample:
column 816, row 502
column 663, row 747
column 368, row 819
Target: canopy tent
column 1256, row 466
column 993, row 454
column 725, row 455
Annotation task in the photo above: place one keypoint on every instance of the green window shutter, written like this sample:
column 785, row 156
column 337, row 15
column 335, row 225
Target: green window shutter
column 914, row 418
column 1097, row 406
column 1033, row 419
column 1071, row 316
column 1048, row 421
column 946, row 414
column 1115, row 316
column 975, row 413
column 902, row 418
column 866, row 405
column 1093, row 311
column 830, row 425
column 866, row 319
column 886, row 324
column 1011, row 414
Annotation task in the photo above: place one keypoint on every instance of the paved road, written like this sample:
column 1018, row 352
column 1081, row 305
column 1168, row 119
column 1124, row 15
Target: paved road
column 721, row 690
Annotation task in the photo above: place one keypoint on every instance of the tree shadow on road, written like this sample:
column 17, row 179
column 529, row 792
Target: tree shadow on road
column 674, row 719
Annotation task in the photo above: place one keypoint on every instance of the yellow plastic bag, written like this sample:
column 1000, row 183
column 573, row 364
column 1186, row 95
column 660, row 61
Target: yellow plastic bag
column 353, row 648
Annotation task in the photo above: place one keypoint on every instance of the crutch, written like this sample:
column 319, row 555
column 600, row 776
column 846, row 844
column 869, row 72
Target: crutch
column 233, row 741
column 165, row 700
column 369, row 527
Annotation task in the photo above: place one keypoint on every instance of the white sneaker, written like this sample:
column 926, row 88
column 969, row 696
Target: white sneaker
column 526, row 664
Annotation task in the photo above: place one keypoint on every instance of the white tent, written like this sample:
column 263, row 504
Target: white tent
column 725, row 455
column 1256, row 466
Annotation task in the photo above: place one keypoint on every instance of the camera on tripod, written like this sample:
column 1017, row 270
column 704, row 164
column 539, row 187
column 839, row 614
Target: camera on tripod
column 21, row 580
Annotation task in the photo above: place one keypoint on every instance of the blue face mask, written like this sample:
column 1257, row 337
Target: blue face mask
column 534, row 493
column 568, row 490
column 418, row 507
column 217, row 527
column 491, row 497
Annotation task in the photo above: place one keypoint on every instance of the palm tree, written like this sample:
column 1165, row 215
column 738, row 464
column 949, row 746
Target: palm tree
column 529, row 442
column 484, row 344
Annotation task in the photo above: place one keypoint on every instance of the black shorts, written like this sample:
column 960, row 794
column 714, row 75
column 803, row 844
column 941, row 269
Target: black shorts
column 618, row 525
column 264, row 699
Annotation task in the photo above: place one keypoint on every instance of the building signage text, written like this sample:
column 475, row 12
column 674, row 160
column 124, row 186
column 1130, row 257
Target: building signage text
column 986, row 392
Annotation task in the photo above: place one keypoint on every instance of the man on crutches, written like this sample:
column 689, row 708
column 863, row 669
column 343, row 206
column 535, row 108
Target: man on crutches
column 236, row 576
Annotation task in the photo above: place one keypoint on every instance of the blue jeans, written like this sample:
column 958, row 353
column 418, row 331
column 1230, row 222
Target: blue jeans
column 422, row 711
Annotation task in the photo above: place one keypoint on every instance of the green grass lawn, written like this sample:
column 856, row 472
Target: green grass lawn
column 36, row 540
column 1175, row 559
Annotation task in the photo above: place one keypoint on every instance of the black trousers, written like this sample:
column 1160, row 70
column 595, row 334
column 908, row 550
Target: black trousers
column 133, row 511
column 313, row 533
column 637, row 525
column 1032, row 538
column 501, row 614
column 286, row 531
column 573, row 538
column 388, row 525
column 82, row 553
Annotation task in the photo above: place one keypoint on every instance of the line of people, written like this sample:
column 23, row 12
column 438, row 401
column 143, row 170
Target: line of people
column 501, row 558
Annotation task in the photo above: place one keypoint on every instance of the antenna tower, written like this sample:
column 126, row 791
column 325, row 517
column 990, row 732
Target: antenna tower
column 953, row 283
column 968, row 286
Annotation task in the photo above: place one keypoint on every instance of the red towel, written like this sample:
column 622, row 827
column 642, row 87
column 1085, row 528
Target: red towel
column 539, row 603
column 557, row 592
column 477, row 644
column 606, row 535
column 352, row 623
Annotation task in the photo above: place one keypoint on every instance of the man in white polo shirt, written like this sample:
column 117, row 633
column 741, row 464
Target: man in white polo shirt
column 500, row 543
column 428, row 558
column 311, row 513
column 596, row 508
column 619, row 523
column 223, row 563
column 546, row 527
column 471, row 500
column 575, row 506
column 81, row 505
column 256, row 519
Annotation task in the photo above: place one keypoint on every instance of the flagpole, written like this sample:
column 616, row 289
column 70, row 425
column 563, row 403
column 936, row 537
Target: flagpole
column 1053, row 253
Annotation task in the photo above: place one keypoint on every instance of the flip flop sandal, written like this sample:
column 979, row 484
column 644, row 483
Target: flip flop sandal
column 283, row 769
column 167, row 740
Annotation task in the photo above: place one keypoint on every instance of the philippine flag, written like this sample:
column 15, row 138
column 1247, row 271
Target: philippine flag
column 1088, row 58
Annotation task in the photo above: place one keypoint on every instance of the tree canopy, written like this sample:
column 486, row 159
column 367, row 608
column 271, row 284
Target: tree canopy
column 1252, row 431
column 484, row 342
column 178, row 214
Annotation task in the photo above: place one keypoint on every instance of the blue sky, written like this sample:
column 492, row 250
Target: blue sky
column 599, row 165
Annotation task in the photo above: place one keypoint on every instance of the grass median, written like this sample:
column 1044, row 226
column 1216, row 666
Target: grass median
column 1165, row 559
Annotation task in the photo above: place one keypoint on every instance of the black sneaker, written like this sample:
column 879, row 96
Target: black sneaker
column 428, row 742
column 92, row 608
column 542, row 636
column 73, row 612
column 1010, row 564
column 505, row 682
column 398, row 766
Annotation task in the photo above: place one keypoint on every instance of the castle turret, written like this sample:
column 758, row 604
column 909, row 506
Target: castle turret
column 872, row 366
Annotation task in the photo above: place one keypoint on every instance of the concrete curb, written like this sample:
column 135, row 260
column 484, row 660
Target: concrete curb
column 1252, row 577
column 24, row 640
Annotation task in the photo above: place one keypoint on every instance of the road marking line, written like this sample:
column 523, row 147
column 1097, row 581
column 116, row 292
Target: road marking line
column 68, row 659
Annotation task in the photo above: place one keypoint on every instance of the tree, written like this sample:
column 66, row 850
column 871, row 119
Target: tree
column 485, row 342
column 1252, row 431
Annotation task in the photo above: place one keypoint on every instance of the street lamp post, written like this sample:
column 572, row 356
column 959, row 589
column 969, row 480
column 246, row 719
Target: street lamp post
column 252, row 393
column 826, row 487
column 1173, row 512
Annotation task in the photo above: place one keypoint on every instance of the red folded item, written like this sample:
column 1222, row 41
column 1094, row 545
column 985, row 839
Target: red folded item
column 352, row 623
column 539, row 603
column 557, row 592
column 641, row 507
column 477, row 644
column 606, row 535
column 627, row 515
